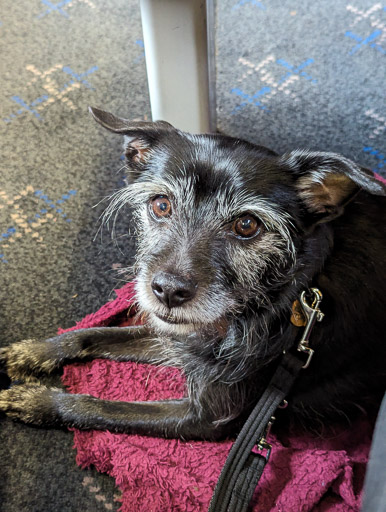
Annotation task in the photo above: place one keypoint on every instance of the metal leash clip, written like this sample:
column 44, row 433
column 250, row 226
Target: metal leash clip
column 263, row 444
column 312, row 314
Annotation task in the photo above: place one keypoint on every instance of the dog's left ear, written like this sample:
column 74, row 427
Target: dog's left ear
column 326, row 182
column 140, row 136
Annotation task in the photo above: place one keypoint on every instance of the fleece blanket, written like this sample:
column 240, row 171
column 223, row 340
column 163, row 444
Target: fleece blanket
column 304, row 473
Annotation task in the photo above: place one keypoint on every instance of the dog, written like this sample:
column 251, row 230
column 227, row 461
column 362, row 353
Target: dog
column 229, row 235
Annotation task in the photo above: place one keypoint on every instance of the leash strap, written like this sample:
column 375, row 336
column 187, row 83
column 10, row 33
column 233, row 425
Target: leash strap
column 244, row 467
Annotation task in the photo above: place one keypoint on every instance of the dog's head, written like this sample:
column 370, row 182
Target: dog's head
column 223, row 225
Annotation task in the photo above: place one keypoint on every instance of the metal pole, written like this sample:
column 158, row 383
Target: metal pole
column 176, row 49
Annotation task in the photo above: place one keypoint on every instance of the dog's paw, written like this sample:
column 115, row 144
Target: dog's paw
column 24, row 360
column 30, row 403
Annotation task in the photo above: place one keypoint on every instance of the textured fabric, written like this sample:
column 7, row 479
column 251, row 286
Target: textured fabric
column 159, row 475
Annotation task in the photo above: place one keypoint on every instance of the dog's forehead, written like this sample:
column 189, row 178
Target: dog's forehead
column 215, row 165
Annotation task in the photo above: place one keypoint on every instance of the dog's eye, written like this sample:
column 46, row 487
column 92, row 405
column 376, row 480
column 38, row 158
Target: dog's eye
column 246, row 226
column 160, row 207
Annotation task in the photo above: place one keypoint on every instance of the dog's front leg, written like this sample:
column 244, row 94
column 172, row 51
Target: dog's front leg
column 40, row 405
column 27, row 359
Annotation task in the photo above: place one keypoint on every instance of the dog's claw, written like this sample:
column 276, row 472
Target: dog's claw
column 2, row 362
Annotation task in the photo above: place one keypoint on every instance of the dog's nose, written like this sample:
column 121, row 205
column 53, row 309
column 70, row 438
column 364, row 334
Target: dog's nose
column 173, row 290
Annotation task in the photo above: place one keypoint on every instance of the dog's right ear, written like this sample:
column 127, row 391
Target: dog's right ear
column 327, row 182
column 140, row 136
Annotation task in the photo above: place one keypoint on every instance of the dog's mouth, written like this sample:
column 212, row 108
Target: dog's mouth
column 171, row 325
column 171, row 320
column 181, row 326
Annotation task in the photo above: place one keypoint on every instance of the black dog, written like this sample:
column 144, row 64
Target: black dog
column 229, row 234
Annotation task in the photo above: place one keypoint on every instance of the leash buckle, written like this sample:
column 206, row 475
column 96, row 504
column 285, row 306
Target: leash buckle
column 263, row 444
column 312, row 314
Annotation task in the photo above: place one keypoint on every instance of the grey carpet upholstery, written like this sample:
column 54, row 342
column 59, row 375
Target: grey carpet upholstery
column 289, row 74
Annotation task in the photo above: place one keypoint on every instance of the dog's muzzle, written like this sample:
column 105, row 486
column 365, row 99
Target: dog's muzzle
column 173, row 290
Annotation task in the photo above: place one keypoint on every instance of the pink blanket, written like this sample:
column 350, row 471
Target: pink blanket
column 157, row 475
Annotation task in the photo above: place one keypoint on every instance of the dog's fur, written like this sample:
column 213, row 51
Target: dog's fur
column 217, row 304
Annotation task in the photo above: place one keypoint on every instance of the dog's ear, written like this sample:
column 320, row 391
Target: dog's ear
column 140, row 136
column 326, row 182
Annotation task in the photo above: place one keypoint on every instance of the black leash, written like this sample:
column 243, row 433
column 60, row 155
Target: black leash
column 244, row 467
